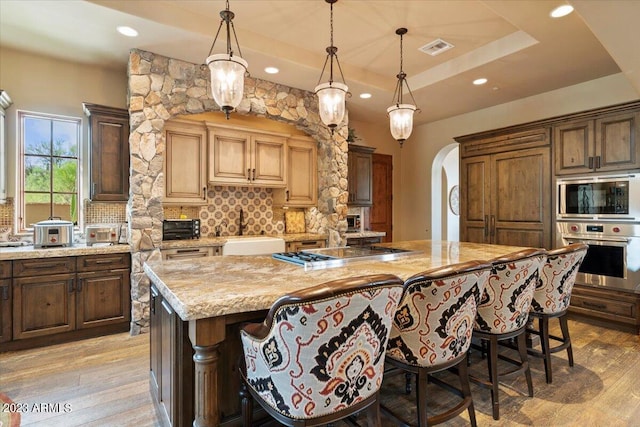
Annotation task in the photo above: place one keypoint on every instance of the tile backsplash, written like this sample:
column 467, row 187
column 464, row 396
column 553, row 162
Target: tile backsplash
column 104, row 213
column 6, row 213
column 223, row 211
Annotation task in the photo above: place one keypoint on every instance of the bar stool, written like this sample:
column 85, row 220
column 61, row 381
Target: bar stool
column 551, row 300
column 431, row 332
column 319, row 355
column 503, row 313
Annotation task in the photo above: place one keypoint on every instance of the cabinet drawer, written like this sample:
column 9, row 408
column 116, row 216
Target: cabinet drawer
column 43, row 266
column 5, row 269
column 601, row 305
column 104, row 262
column 305, row 244
column 187, row 253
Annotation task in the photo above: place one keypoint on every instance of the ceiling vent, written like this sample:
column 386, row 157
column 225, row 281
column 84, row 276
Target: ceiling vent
column 436, row 47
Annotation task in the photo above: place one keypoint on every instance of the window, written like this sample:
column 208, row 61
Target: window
column 49, row 163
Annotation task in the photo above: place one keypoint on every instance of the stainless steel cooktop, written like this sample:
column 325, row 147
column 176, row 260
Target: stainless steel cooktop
column 314, row 259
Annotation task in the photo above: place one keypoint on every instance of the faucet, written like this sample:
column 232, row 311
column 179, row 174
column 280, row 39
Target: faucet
column 243, row 224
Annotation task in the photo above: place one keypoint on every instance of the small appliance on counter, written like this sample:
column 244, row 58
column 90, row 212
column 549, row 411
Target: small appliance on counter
column 97, row 233
column 178, row 229
column 353, row 223
column 52, row 232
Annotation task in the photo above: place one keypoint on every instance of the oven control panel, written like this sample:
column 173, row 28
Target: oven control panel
column 597, row 229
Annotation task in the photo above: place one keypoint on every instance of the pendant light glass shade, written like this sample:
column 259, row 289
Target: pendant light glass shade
column 331, row 95
column 401, row 121
column 331, row 102
column 227, row 69
column 227, row 80
column 401, row 114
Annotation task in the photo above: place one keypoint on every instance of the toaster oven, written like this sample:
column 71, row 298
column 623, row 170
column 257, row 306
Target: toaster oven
column 178, row 229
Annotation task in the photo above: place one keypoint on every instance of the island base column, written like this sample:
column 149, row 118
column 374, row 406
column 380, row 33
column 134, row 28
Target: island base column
column 206, row 412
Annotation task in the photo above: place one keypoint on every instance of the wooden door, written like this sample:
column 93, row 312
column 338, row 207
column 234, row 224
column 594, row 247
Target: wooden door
column 5, row 310
column 102, row 298
column 475, row 197
column 268, row 165
column 521, row 198
column 617, row 146
column 574, row 147
column 229, row 156
column 43, row 305
column 185, row 164
column 381, row 218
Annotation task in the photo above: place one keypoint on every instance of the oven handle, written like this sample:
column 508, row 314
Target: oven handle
column 592, row 241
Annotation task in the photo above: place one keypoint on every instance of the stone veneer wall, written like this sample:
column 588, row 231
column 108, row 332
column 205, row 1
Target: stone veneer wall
column 162, row 88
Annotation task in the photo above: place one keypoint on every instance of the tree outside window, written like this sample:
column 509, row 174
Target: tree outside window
column 50, row 164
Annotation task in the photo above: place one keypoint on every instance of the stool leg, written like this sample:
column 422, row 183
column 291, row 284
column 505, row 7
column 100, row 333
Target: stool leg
column 522, row 349
column 463, row 373
column 566, row 337
column 492, row 365
column 247, row 405
column 546, row 351
column 421, row 397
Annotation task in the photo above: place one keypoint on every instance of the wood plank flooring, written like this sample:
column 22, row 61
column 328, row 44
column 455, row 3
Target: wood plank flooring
column 105, row 383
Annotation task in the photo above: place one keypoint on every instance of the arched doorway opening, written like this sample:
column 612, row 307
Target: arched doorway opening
column 445, row 222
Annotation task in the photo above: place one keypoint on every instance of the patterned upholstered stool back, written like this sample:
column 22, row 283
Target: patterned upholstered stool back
column 434, row 319
column 557, row 276
column 505, row 304
column 322, row 349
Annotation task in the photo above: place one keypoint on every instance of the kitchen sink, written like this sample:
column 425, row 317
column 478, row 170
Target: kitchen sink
column 252, row 245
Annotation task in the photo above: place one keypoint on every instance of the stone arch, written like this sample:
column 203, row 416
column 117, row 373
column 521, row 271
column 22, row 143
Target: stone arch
column 161, row 88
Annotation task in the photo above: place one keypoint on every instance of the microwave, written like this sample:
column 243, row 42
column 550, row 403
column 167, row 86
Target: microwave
column 178, row 229
column 353, row 223
column 600, row 197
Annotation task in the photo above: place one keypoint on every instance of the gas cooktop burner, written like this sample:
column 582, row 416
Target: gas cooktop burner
column 312, row 259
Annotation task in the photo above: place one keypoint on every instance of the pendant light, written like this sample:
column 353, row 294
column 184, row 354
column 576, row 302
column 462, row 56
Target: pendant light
column 227, row 69
column 331, row 95
column 400, row 114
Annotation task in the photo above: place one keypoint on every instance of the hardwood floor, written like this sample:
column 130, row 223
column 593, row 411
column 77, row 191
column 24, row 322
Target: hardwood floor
column 105, row 382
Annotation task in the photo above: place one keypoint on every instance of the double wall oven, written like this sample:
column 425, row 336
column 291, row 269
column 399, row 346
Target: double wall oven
column 603, row 212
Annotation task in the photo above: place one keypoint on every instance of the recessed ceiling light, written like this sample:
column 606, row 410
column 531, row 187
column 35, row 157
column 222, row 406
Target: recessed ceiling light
column 561, row 11
column 480, row 81
column 365, row 95
column 271, row 70
column 127, row 31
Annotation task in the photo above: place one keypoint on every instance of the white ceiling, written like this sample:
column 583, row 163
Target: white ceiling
column 513, row 43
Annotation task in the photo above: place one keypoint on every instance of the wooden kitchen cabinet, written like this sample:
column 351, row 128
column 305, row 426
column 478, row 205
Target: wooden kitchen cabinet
column 5, row 301
column 109, row 145
column 242, row 157
column 603, row 143
column 360, row 175
column 102, row 289
column 185, row 163
column 505, row 197
column 302, row 174
column 43, row 305
column 606, row 305
column 62, row 298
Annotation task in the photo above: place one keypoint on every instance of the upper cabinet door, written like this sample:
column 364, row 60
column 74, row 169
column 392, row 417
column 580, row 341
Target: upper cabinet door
column 617, row 146
column 360, row 175
column 302, row 174
column 185, row 163
column 574, row 147
column 229, row 156
column 109, row 135
column 268, row 160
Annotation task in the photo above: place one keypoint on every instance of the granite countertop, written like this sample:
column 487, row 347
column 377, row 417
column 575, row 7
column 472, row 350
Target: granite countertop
column 29, row 252
column 218, row 286
column 359, row 234
column 219, row 241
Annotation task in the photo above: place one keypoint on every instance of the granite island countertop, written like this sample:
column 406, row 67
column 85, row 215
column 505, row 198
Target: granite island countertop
column 219, row 241
column 218, row 286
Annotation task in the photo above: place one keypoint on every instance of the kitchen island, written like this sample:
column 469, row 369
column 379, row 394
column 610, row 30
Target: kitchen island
column 198, row 307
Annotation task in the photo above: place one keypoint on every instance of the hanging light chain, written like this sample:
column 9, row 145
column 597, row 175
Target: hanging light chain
column 227, row 19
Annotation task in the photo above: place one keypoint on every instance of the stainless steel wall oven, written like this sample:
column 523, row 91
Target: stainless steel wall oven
column 613, row 258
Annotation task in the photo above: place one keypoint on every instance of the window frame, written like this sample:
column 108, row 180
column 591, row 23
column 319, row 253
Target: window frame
column 20, row 226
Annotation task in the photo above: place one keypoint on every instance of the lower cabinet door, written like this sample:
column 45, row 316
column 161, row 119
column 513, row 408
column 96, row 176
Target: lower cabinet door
column 5, row 310
column 103, row 298
column 43, row 305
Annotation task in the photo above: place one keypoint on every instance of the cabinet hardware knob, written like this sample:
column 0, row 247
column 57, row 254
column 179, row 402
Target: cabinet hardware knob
column 254, row 174
column 204, row 193
column 486, row 225
column 287, row 195
column 249, row 174
column 590, row 162
column 5, row 293
column 493, row 225
column 598, row 162
column 71, row 287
